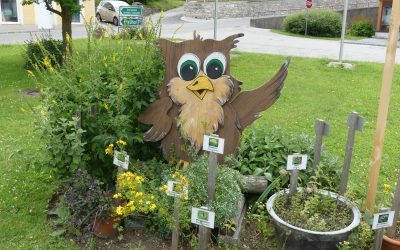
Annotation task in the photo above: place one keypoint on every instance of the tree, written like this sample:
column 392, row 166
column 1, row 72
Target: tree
column 67, row 9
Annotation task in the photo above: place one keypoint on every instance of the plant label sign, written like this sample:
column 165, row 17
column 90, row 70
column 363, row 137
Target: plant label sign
column 172, row 189
column 296, row 161
column 121, row 159
column 213, row 143
column 382, row 220
column 203, row 217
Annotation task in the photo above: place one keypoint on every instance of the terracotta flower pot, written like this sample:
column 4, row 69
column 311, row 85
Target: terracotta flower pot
column 106, row 228
column 389, row 243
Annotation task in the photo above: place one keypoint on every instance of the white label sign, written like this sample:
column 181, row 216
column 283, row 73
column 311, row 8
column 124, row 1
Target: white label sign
column 121, row 159
column 382, row 220
column 296, row 161
column 201, row 216
column 171, row 191
column 213, row 143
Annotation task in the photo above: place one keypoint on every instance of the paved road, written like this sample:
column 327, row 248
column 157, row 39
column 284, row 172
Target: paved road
column 255, row 40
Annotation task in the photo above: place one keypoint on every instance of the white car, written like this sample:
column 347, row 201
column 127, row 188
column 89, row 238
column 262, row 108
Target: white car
column 107, row 11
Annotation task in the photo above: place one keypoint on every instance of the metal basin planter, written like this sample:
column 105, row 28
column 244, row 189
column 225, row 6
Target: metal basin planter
column 293, row 238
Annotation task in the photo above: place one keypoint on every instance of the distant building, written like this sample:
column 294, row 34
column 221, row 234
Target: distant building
column 384, row 14
column 12, row 12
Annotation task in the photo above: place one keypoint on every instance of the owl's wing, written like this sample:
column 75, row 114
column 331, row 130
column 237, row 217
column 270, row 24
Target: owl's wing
column 157, row 115
column 248, row 104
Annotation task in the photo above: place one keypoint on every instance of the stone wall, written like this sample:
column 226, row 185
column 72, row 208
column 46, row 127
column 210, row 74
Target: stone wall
column 275, row 22
column 232, row 9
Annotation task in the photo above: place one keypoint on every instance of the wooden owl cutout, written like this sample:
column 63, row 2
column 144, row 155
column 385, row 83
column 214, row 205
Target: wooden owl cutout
column 200, row 97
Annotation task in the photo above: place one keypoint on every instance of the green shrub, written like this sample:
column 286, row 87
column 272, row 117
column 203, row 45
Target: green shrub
column 38, row 50
column 227, row 194
column 362, row 28
column 321, row 22
column 265, row 154
column 94, row 100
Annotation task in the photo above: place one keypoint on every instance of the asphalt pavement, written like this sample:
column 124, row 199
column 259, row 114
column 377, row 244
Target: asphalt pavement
column 255, row 40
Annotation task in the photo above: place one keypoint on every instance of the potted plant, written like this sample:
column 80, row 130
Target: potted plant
column 312, row 219
column 88, row 203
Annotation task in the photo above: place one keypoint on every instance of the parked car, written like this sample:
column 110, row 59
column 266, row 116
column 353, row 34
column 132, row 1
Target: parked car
column 107, row 11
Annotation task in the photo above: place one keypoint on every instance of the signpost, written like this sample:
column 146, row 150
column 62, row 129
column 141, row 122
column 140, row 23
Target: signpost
column 308, row 5
column 131, row 16
column 346, row 3
column 214, row 145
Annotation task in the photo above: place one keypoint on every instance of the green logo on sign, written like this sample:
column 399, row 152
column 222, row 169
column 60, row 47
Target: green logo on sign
column 130, row 21
column 131, row 11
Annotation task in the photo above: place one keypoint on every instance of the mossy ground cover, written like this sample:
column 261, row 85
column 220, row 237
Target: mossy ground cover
column 311, row 91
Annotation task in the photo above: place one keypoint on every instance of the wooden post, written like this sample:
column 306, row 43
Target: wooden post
column 294, row 177
column 379, row 233
column 321, row 129
column 391, row 231
column 204, row 232
column 175, row 231
column 383, row 104
column 355, row 122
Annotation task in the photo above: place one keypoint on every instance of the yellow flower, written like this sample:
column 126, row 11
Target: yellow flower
column 54, row 101
column 121, row 142
column 110, row 149
column 139, row 179
column 138, row 194
column 105, row 106
column 152, row 197
column 164, row 188
column 386, row 188
column 117, row 195
column 30, row 73
column 119, row 210
column 152, row 207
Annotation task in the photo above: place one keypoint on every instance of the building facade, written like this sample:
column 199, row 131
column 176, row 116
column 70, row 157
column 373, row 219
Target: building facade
column 384, row 15
column 12, row 12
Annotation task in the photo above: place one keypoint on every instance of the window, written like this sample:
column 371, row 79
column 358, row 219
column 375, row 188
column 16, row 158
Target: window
column 76, row 17
column 9, row 11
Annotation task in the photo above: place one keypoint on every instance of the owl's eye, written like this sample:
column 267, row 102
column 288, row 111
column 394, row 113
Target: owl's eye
column 215, row 65
column 188, row 66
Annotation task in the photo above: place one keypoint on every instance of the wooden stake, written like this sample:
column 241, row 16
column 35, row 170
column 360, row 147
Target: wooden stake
column 175, row 231
column 321, row 129
column 294, row 178
column 204, row 232
column 391, row 231
column 383, row 104
column 379, row 233
column 355, row 122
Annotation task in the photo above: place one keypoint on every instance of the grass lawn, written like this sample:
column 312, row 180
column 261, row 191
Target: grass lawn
column 166, row 4
column 347, row 37
column 311, row 91
column 24, row 192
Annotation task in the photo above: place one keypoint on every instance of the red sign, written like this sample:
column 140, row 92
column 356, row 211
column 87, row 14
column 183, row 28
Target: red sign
column 308, row 3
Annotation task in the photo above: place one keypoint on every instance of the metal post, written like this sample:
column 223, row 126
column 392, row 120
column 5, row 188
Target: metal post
column 379, row 233
column 346, row 3
column 305, row 33
column 215, row 19
column 321, row 129
column 355, row 122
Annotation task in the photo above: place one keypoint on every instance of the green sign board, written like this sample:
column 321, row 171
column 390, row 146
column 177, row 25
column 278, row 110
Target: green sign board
column 129, row 21
column 131, row 10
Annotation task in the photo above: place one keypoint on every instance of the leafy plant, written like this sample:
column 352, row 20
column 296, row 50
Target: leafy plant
column 227, row 194
column 361, row 238
column 85, row 200
column 313, row 211
column 94, row 100
column 44, row 47
column 265, row 154
column 320, row 22
column 362, row 28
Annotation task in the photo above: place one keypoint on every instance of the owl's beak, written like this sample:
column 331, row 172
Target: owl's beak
column 200, row 86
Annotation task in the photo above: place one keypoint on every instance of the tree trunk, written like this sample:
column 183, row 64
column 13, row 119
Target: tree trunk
column 66, row 28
